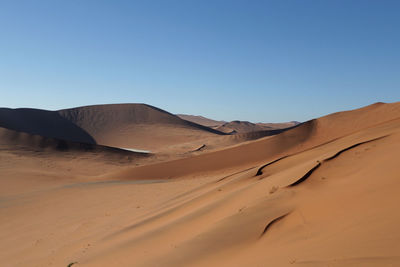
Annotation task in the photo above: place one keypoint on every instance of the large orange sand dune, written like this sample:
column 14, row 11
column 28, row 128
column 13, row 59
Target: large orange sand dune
column 324, row 193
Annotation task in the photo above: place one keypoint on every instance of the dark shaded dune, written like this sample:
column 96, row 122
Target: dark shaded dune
column 14, row 140
column 44, row 123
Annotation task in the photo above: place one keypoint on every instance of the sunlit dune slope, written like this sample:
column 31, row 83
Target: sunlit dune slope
column 331, row 203
column 302, row 137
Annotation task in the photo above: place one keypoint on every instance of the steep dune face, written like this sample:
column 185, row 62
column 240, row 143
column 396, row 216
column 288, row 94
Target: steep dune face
column 43, row 122
column 135, row 126
column 20, row 140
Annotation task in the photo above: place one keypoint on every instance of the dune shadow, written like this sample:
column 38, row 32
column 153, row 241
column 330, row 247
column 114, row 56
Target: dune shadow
column 45, row 123
column 268, row 226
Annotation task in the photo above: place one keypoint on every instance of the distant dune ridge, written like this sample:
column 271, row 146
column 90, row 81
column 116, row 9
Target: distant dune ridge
column 201, row 120
column 321, row 193
column 236, row 126
column 247, row 127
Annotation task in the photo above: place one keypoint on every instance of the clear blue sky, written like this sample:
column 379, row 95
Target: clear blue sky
column 250, row 60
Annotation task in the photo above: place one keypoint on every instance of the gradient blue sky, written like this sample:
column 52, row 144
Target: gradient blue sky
column 250, row 60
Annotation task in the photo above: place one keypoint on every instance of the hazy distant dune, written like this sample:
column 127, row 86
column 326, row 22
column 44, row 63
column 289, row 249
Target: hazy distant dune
column 237, row 126
column 201, row 120
column 247, row 127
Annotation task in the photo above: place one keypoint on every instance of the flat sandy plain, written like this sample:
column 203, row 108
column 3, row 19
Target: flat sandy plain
column 323, row 193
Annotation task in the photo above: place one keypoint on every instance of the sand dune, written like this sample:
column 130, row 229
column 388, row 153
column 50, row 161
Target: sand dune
column 279, row 125
column 201, row 120
column 137, row 126
column 128, row 126
column 240, row 127
column 323, row 193
column 234, row 127
column 305, row 136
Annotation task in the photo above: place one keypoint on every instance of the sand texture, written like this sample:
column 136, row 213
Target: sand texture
column 321, row 193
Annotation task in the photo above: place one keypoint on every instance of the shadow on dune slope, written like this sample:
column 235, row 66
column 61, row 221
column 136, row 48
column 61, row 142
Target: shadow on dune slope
column 44, row 123
column 30, row 142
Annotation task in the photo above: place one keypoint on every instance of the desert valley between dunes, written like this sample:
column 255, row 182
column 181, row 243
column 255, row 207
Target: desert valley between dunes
column 133, row 185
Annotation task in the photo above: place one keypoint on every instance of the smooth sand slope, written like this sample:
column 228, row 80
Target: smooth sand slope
column 324, row 193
